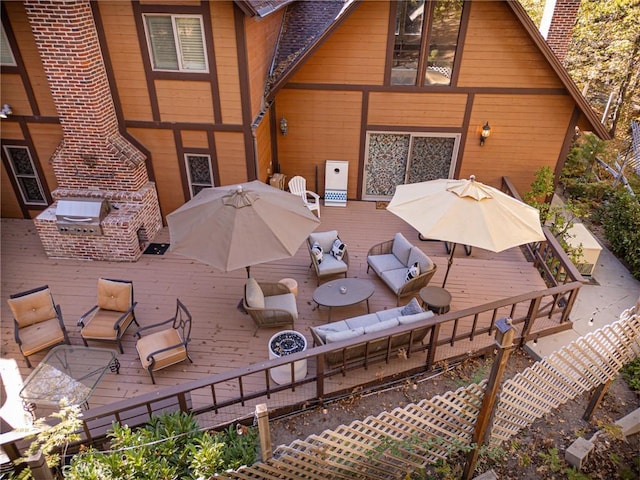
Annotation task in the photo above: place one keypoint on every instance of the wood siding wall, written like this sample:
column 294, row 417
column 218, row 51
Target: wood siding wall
column 261, row 38
column 503, row 79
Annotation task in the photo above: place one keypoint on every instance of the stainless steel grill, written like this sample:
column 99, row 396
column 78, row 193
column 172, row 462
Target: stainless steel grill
column 81, row 216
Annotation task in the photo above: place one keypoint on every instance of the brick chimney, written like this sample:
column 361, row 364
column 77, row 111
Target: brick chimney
column 93, row 159
column 557, row 24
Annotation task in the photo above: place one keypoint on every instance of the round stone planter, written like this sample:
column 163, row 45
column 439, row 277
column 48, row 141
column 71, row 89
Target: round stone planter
column 285, row 343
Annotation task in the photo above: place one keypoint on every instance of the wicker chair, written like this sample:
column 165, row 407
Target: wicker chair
column 109, row 319
column 391, row 259
column 269, row 304
column 329, row 266
column 37, row 321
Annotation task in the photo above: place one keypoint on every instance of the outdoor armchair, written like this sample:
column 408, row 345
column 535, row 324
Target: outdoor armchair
column 325, row 263
column 37, row 321
column 109, row 319
column 298, row 186
column 269, row 304
column 168, row 345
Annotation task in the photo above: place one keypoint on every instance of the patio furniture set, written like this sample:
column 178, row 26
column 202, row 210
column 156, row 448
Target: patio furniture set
column 403, row 267
column 74, row 371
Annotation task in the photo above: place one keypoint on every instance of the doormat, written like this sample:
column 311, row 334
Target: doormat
column 156, row 248
column 381, row 205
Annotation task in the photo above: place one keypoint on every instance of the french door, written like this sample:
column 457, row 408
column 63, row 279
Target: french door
column 398, row 158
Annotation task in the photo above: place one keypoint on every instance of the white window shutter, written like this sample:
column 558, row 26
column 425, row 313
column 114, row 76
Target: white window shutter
column 192, row 52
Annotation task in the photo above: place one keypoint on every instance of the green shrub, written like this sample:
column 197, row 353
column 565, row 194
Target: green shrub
column 620, row 217
column 631, row 373
column 171, row 446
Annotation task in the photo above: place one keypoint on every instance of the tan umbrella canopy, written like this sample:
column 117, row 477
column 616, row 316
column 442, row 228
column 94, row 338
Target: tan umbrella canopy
column 238, row 226
column 467, row 212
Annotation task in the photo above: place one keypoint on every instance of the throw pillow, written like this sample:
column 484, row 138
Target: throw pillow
column 413, row 272
column 317, row 252
column 411, row 308
column 338, row 249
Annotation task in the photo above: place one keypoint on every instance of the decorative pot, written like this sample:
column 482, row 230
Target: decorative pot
column 285, row 343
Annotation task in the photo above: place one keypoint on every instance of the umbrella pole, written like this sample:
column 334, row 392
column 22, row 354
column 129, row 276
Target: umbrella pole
column 453, row 249
column 248, row 271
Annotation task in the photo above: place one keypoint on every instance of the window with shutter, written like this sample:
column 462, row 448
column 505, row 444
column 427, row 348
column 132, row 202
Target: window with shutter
column 176, row 42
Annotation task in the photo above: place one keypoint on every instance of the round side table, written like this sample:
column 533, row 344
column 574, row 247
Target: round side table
column 291, row 284
column 436, row 299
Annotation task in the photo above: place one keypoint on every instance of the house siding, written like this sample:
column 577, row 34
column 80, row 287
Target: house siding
column 331, row 101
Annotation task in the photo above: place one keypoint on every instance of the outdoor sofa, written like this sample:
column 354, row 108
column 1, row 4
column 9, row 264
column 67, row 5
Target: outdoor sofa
column 355, row 327
column 392, row 261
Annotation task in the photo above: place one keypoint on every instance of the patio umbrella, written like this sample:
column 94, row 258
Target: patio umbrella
column 238, row 226
column 467, row 212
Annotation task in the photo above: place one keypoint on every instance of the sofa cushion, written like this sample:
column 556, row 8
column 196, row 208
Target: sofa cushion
column 325, row 239
column 338, row 248
column 286, row 301
column 33, row 308
column 394, row 278
column 401, row 248
column 389, row 313
column 115, row 296
column 253, row 292
column 344, row 335
column 323, row 330
column 412, row 272
column 377, row 327
column 412, row 307
column 316, row 249
column 362, row 320
column 408, row 319
column 417, row 255
column 331, row 265
column 382, row 263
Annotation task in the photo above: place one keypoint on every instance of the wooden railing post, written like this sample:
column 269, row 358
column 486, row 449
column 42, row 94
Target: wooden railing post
column 504, row 339
column 39, row 468
column 264, row 433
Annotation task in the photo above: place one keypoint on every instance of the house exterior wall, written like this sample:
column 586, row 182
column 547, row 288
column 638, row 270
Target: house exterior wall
column 331, row 102
column 503, row 78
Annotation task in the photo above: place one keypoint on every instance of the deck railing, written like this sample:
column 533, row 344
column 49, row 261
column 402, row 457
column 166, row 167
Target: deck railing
column 453, row 335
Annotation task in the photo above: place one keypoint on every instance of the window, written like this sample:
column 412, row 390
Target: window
column 176, row 42
column 198, row 172
column 6, row 55
column 25, row 175
column 432, row 27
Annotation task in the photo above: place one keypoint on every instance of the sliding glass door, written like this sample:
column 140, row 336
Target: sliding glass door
column 398, row 158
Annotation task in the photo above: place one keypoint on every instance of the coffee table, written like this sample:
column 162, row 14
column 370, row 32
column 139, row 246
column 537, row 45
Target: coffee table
column 67, row 371
column 342, row 293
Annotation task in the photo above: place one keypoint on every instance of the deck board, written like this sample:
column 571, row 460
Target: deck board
column 222, row 337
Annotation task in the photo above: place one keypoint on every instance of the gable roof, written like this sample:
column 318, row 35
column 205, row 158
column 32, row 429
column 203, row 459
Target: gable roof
column 308, row 23
column 305, row 25
column 582, row 103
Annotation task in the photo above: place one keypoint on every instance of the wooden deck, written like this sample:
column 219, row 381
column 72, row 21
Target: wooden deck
column 222, row 337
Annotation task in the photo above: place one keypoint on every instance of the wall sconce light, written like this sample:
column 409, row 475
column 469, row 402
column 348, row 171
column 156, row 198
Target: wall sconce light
column 484, row 134
column 6, row 111
column 284, row 127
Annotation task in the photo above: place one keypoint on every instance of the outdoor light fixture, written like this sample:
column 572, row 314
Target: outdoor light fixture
column 486, row 131
column 284, row 127
column 6, row 111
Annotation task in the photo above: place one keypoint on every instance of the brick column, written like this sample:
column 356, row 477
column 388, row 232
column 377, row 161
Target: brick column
column 561, row 27
column 93, row 159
